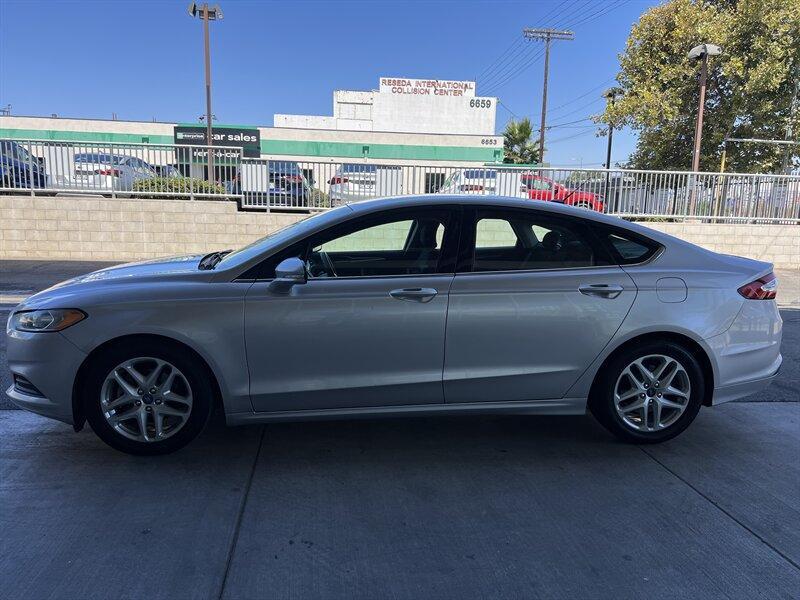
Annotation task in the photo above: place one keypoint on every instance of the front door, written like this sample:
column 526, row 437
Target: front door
column 368, row 327
column 539, row 304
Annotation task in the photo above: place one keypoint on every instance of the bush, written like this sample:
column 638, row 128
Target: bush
column 318, row 199
column 178, row 185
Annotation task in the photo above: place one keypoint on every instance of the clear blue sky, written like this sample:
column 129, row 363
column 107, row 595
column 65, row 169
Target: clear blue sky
column 143, row 59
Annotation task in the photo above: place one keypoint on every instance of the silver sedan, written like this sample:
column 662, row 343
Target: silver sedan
column 406, row 306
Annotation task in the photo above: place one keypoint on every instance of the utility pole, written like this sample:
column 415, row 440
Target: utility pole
column 545, row 35
column 207, row 14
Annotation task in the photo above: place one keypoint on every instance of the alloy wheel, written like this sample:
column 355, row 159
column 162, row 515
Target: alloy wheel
column 146, row 399
column 652, row 393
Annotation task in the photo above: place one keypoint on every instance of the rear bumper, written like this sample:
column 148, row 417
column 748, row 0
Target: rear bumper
column 745, row 388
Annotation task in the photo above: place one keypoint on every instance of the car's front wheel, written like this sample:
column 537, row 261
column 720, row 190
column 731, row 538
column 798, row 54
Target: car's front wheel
column 649, row 393
column 147, row 400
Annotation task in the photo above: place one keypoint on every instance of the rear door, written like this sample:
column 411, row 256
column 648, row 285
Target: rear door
column 536, row 299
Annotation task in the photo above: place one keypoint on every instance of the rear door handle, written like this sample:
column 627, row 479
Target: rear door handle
column 603, row 290
column 414, row 294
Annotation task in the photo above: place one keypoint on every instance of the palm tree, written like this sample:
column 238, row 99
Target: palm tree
column 519, row 149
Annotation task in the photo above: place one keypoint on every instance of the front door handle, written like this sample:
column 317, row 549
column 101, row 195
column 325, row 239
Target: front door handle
column 414, row 294
column 603, row 290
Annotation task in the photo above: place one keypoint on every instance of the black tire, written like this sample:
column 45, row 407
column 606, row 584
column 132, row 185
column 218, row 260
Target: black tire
column 601, row 402
column 197, row 376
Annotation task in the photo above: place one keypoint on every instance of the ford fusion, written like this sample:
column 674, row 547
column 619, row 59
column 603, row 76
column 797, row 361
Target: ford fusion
column 420, row 305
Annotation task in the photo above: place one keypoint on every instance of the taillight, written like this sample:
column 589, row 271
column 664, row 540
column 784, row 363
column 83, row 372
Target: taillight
column 112, row 172
column 338, row 180
column 765, row 288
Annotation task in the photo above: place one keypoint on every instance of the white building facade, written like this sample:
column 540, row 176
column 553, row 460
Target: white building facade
column 402, row 105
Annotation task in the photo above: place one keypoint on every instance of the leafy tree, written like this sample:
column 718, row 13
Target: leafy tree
column 750, row 86
column 517, row 144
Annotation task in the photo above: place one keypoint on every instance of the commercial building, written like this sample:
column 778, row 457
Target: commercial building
column 404, row 121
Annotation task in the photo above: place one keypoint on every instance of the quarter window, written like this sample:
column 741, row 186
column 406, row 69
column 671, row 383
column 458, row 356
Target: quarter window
column 629, row 248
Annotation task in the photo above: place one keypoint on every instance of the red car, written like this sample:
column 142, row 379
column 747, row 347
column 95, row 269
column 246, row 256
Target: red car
column 542, row 188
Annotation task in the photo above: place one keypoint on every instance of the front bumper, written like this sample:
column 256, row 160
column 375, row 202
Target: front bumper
column 50, row 362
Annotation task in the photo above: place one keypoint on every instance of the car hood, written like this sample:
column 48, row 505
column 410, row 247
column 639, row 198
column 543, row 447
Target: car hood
column 160, row 269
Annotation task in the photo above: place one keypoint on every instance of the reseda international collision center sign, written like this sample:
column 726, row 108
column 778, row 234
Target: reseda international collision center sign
column 427, row 87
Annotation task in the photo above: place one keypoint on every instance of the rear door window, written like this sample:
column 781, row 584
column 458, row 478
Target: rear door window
column 522, row 240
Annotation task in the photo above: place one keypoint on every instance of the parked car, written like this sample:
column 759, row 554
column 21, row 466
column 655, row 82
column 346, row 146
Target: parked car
column 543, row 309
column 543, row 188
column 359, row 181
column 482, row 181
column 19, row 168
column 287, row 184
column 106, row 172
column 166, row 171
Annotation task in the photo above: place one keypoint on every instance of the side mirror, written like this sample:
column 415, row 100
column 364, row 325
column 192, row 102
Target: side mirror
column 288, row 273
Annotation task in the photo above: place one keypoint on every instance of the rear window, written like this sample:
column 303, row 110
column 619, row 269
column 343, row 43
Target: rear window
column 629, row 248
column 480, row 174
column 351, row 168
column 106, row 159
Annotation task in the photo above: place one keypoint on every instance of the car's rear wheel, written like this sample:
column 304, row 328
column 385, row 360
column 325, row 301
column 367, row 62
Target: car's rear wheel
column 145, row 400
column 649, row 393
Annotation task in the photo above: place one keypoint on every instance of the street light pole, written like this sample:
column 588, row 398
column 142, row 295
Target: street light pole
column 610, row 95
column 209, row 132
column 698, row 129
column 703, row 51
column 207, row 14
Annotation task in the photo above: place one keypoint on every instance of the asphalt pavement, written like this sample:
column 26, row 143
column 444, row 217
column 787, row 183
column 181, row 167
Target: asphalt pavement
column 456, row 507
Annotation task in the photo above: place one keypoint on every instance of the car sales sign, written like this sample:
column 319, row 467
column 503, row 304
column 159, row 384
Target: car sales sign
column 249, row 140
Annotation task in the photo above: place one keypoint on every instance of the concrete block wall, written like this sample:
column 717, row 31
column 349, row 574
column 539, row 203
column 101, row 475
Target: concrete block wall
column 86, row 228
column 778, row 244
column 91, row 228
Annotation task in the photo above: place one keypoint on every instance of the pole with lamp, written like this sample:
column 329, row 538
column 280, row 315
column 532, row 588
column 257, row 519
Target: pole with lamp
column 701, row 52
column 610, row 95
column 206, row 14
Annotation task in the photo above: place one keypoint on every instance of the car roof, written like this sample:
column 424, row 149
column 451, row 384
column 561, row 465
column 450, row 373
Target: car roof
column 556, row 208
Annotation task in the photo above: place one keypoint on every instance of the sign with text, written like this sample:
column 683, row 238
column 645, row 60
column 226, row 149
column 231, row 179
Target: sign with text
column 427, row 87
column 249, row 140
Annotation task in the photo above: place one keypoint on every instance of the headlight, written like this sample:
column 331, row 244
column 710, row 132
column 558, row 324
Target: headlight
column 53, row 319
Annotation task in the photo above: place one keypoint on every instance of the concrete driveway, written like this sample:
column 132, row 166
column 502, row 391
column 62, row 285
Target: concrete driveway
column 468, row 507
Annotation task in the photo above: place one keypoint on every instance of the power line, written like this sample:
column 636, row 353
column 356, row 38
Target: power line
column 501, row 74
column 581, row 108
column 570, row 137
column 517, row 42
column 505, row 70
column 597, row 14
column 576, row 98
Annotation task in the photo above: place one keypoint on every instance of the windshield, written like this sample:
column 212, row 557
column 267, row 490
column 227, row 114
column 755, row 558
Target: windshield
column 258, row 246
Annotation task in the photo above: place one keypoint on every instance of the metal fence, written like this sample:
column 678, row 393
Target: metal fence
column 180, row 171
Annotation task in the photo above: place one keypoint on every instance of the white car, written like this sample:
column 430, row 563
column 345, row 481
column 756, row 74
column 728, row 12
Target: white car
column 486, row 181
column 354, row 182
column 98, row 171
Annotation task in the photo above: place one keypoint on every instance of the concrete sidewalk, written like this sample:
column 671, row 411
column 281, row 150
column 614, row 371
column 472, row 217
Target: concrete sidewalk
column 439, row 508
